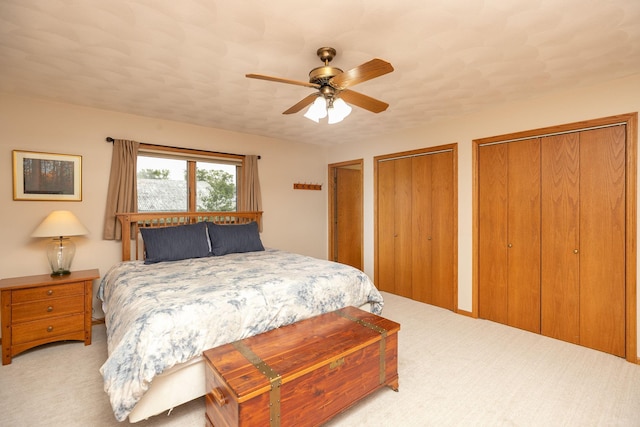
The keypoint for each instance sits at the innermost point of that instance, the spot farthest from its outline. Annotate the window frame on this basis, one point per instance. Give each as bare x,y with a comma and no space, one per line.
192,156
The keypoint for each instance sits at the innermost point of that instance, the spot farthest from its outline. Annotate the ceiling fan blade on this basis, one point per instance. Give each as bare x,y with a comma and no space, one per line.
281,80
300,105
363,101
367,71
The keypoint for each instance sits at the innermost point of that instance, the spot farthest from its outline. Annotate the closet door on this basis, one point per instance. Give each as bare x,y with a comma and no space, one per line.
560,284
421,229
569,276
523,239
492,232
583,269
394,226
432,229
509,233
442,234
385,280
416,225
602,239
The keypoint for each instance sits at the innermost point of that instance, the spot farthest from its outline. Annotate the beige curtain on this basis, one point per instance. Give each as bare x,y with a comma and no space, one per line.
251,199
122,194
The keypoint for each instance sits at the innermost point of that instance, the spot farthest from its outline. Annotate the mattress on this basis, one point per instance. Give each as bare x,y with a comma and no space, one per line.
163,315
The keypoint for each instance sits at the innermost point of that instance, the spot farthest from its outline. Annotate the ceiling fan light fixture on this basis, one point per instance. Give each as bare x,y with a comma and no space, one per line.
317,110
338,110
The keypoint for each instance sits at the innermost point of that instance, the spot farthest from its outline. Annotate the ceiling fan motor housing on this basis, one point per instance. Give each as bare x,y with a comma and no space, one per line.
322,75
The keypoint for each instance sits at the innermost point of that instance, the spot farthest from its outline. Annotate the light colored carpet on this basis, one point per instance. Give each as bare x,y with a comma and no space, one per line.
454,371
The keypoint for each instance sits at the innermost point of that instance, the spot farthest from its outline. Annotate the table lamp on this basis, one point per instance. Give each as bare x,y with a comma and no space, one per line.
60,251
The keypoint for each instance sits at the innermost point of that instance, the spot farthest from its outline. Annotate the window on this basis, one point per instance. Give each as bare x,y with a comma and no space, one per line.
180,181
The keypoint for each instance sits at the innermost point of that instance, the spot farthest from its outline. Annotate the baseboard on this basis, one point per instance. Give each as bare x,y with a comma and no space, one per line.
97,321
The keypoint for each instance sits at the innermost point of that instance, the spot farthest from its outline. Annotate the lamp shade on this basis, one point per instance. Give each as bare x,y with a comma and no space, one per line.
60,250
60,223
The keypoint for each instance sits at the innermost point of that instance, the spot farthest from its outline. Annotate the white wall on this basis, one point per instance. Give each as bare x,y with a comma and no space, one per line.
617,97
294,220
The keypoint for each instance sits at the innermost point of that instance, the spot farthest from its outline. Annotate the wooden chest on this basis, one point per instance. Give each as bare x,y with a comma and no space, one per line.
301,374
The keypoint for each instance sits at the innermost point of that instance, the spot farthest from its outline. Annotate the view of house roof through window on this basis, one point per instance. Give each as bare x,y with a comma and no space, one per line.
163,185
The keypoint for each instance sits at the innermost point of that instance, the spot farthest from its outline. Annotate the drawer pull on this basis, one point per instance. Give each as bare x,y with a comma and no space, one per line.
218,396
50,329
49,309
50,292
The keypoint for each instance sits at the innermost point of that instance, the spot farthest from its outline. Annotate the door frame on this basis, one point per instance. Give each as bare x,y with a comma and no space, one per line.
630,120
351,164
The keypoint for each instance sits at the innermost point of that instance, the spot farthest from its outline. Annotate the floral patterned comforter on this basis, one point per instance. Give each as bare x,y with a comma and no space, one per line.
164,314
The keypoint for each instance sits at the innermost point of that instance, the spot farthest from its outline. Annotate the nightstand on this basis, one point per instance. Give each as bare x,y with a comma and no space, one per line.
41,309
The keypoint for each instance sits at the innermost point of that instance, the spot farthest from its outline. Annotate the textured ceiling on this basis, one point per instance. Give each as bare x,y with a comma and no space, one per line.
186,60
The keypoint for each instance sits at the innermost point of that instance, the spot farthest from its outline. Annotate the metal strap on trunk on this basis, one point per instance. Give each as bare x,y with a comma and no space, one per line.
274,379
383,341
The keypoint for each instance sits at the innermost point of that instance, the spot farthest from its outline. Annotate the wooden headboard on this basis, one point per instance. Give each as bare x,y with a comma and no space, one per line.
132,222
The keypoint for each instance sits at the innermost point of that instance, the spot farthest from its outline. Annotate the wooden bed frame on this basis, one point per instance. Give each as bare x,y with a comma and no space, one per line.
132,222
185,382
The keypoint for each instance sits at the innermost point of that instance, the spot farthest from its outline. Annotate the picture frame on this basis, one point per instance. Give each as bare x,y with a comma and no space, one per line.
46,176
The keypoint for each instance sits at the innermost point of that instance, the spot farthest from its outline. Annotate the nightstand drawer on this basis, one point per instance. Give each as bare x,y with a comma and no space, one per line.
47,308
47,292
39,329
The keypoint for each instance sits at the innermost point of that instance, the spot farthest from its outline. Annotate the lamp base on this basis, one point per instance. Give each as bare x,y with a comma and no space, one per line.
60,252
60,273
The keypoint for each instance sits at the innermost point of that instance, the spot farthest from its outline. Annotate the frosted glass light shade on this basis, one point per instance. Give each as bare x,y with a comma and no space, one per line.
338,111
317,110
60,250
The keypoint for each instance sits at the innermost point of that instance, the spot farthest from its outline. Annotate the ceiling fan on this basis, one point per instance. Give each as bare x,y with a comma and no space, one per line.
333,88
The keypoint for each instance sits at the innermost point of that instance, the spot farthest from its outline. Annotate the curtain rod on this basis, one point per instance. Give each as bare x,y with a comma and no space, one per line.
110,139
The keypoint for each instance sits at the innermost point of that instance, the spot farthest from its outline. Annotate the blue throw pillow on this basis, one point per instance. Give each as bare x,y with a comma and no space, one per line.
229,239
175,243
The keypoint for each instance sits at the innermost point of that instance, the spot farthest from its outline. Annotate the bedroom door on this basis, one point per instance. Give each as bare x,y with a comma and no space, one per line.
345,213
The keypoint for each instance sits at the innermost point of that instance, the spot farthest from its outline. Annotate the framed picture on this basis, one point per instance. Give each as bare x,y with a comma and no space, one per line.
46,176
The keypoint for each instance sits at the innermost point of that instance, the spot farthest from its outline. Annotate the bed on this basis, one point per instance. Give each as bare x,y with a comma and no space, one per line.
175,295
